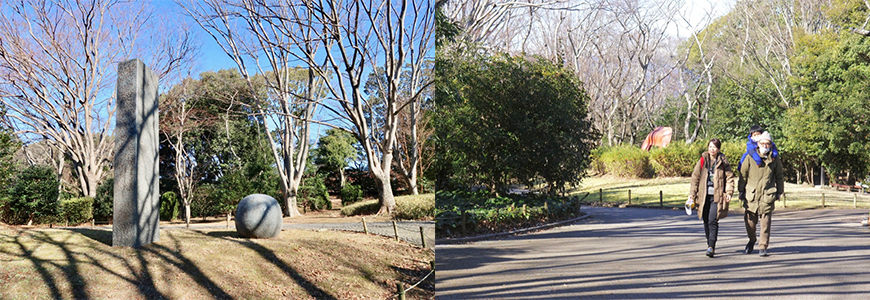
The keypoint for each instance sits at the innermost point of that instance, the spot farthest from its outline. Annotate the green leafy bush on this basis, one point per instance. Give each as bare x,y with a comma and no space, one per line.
733,151
625,161
679,159
485,213
350,194
33,196
313,193
169,206
104,200
77,210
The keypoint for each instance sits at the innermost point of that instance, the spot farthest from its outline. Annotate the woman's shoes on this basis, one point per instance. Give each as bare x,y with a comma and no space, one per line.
749,247
710,252
762,252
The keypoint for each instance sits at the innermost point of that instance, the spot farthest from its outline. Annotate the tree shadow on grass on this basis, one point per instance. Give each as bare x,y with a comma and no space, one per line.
96,251
270,256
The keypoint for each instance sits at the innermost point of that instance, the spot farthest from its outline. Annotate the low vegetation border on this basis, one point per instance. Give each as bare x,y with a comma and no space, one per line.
483,216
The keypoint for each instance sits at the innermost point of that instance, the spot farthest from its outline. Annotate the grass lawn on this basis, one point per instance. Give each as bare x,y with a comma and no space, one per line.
206,264
675,190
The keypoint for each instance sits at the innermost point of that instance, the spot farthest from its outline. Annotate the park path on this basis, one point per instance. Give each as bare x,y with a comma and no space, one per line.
635,253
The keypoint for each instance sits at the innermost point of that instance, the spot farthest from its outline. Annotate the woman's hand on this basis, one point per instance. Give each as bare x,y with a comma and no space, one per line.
727,198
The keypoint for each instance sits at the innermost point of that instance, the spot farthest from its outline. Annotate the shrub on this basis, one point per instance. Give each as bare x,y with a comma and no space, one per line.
104,200
410,207
626,161
313,194
350,194
678,159
361,208
733,150
415,207
77,210
33,196
169,206
365,180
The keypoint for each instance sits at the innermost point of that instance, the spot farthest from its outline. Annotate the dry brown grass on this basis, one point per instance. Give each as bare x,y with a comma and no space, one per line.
208,264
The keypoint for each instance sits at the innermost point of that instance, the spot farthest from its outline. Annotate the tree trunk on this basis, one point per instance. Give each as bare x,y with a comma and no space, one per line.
187,214
290,208
387,202
343,178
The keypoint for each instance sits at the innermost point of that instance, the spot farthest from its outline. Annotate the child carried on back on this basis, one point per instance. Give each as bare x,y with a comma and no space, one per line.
752,146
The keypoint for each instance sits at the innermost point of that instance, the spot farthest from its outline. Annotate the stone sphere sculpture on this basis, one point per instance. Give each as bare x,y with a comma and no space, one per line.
258,216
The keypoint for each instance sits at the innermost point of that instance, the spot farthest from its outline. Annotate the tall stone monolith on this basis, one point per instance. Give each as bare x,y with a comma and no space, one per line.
137,196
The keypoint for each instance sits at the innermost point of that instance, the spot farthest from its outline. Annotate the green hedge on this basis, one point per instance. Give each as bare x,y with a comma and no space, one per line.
624,161
485,213
77,210
678,159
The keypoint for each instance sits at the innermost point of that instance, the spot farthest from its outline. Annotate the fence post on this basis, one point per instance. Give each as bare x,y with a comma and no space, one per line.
783,201
396,230
629,196
600,196
661,199
365,227
823,200
93,223
422,237
228,220
855,200
401,288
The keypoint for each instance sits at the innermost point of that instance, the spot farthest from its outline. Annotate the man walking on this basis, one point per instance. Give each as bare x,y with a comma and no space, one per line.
760,185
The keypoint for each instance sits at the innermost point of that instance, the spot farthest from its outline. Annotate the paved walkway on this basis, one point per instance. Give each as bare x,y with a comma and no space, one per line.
634,253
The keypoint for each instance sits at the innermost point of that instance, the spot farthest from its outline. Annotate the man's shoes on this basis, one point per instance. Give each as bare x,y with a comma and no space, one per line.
749,247
762,253
710,252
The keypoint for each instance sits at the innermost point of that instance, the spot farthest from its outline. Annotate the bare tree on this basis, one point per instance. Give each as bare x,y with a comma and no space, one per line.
178,118
763,34
361,36
273,36
697,75
57,70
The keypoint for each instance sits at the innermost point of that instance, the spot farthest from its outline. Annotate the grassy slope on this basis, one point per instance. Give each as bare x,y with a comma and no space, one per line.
675,190
206,264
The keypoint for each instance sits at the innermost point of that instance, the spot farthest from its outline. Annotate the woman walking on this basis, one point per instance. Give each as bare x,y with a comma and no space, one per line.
711,188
